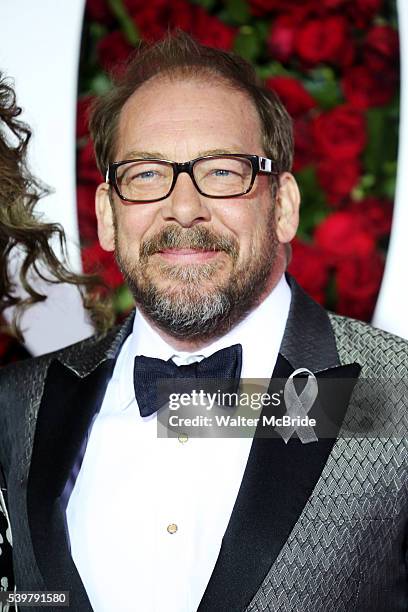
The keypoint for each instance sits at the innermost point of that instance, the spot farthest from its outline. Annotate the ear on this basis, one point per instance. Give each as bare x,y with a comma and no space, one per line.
287,208
104,215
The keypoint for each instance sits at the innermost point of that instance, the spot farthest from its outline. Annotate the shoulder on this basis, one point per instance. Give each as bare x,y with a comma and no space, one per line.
378,352
14,373
21,383
378,407
82,355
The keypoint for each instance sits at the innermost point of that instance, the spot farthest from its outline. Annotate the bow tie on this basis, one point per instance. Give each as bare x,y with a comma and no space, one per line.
148,372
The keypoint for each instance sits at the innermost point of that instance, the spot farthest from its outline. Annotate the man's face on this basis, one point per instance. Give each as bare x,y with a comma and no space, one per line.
195,265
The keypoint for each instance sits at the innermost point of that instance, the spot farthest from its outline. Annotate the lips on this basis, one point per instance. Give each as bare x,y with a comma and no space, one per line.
184,251
185,255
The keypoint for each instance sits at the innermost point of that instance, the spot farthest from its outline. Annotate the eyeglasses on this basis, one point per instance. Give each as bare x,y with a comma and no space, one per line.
214,176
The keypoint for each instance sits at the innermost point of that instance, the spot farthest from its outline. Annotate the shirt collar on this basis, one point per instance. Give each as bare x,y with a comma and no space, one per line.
260,334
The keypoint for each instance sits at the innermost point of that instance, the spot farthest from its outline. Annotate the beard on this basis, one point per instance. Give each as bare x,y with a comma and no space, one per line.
193,304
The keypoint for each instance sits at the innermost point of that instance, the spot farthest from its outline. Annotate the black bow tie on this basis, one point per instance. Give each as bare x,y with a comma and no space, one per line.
224,365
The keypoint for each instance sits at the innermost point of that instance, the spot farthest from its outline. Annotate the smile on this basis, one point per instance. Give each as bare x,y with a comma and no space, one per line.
187,255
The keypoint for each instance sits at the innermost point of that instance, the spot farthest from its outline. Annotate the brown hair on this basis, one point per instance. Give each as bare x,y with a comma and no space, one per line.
180,55
21,229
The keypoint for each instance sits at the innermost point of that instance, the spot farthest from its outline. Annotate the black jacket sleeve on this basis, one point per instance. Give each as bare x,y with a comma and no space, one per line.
6,560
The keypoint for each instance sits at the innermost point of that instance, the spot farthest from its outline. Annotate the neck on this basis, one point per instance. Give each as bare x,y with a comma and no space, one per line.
193,344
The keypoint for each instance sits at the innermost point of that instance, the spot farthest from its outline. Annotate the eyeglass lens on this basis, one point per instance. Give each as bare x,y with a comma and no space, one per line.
220,176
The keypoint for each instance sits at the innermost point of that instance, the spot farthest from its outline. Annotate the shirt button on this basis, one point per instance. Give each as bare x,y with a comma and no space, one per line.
183,437
172,528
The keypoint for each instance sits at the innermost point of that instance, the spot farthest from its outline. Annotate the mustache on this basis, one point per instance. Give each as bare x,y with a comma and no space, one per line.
197,237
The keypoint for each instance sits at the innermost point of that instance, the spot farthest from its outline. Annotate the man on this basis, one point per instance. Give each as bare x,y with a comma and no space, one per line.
199,206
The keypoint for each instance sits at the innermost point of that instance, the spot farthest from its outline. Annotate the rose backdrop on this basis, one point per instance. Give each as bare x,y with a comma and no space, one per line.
334,64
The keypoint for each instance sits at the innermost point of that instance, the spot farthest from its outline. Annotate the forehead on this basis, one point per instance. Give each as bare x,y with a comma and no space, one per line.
188,116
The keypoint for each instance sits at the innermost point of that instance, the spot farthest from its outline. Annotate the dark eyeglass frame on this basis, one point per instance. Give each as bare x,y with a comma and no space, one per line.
260,165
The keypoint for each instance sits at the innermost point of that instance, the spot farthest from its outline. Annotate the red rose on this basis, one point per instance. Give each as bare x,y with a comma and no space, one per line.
86,212
134,6
156,17
304,143
97,261
113,51
375,216
358,281
324,40
381,49
83,106
309,268
148,17
87,168
333,4
98,10
263,7
300,8
338,178
364,89
340,133
177,14
292,93
281,38
209,30
361,12
342,235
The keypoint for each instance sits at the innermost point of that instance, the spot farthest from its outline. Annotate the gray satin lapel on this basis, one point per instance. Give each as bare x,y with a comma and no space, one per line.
82,360
308,340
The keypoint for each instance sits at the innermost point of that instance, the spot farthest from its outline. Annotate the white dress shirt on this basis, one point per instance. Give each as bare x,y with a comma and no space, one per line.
147,515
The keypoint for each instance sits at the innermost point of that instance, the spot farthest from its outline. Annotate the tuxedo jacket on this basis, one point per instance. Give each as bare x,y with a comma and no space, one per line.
319,527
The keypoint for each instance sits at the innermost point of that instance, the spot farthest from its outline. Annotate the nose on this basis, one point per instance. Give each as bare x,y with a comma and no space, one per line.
185,205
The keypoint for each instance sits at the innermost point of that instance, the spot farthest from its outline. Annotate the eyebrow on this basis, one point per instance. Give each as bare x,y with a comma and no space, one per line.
158,155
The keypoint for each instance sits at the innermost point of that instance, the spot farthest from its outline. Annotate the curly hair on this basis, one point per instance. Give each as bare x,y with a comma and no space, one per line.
21,229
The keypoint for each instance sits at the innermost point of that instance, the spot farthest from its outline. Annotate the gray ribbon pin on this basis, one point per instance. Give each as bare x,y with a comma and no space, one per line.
297,406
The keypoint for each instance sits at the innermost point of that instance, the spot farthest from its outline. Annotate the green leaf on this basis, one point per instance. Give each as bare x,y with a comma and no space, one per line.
123,299
262,29
390,167
331,293
314,207
327,95
381,151
374,150
388,188
99,84
127,24
324,87
247,43
206,4
272,69
237,11
97,31
364,187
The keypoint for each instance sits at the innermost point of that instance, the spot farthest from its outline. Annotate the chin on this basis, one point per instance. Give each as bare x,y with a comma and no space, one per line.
185,289
187,275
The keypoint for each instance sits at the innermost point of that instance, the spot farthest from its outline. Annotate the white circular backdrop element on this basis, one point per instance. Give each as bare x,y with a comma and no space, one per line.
40,45
391,312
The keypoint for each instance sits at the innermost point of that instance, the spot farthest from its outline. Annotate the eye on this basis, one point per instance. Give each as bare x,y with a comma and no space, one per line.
224,173
138,175
146,174
221,172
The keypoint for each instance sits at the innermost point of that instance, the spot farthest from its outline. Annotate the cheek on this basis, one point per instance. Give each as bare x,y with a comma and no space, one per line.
244,223
133,225
238,218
